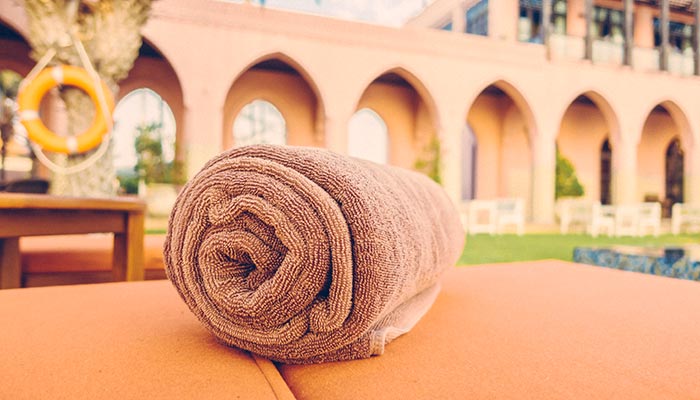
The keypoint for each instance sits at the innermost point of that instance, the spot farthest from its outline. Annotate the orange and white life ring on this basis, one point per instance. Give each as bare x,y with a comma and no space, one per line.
29,100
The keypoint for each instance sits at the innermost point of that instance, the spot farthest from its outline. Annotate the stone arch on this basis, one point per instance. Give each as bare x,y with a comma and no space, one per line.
368,136
409,112
665,122
152,70
14,49
282,81
587,122
504,127
518,99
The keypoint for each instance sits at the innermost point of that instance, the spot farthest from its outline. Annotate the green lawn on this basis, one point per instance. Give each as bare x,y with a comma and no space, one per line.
483,249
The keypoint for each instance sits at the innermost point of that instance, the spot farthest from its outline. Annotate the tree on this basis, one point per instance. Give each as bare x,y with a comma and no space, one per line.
150,165
567,184
110,32
430,161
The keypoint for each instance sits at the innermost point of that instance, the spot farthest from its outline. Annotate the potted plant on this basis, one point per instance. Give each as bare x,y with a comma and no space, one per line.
158,180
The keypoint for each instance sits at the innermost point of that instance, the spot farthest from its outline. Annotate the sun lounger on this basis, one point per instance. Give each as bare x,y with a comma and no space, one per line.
536,330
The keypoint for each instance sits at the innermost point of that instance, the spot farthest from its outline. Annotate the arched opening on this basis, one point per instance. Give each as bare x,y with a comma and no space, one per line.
152,71
660,156
368,137
674,174
469,163
141,113
14,50
587,128
605,172
408,111
259,122
501,122
280,81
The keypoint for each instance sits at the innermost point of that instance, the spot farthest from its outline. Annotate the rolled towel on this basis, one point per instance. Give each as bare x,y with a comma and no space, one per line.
302,255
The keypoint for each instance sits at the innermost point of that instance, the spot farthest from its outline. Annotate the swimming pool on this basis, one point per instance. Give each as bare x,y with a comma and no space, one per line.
681,262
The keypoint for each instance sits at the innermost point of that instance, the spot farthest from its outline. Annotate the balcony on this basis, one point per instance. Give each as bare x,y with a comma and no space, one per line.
609,52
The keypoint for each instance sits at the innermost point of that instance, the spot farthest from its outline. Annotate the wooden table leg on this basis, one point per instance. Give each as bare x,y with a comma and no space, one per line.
128,254
10,264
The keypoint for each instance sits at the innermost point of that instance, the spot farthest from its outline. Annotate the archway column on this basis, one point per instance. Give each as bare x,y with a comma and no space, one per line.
451,153
336,126
203,120
692,175
624,171
543,175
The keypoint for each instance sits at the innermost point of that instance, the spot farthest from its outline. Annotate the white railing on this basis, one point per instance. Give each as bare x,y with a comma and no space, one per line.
608,52
566,47
645,59
611,52
681,63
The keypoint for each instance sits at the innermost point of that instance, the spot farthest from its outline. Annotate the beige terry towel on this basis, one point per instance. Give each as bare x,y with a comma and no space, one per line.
302,255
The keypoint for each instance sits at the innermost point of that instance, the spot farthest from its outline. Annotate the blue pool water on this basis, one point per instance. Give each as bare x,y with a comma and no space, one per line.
676,262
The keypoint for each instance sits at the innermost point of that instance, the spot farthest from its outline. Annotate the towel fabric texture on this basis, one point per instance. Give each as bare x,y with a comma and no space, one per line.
302,255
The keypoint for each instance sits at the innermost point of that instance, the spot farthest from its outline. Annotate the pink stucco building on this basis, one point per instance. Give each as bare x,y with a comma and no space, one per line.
498,88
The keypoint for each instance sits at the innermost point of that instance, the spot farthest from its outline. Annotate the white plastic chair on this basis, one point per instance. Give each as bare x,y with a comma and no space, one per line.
574,212
602,219
626,220
510,212
649,218
685,215
482,217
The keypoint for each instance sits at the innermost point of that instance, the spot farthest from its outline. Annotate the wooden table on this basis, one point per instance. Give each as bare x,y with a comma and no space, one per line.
36,215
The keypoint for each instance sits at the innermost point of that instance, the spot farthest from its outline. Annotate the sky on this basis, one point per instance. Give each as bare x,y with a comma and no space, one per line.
383,12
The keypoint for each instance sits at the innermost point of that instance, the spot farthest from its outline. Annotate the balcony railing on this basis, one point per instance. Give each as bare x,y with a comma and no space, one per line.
607,52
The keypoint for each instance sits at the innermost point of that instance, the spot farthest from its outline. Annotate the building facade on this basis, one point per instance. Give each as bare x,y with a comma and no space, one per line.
501,91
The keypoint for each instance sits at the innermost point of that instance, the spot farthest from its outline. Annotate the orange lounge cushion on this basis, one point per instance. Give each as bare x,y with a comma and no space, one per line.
79,253
116,340
538,330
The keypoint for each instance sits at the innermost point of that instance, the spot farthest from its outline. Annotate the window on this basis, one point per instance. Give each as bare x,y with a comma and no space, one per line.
368,137
530,21
140,108
680,35
469,155
559,17
140,111
674,172
608,24
259,122
605,174
478,18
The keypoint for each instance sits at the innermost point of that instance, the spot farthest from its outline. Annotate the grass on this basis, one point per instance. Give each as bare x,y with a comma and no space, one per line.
485,249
